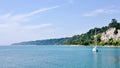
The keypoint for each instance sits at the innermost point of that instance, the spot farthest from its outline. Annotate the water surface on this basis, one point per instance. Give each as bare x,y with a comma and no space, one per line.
58,57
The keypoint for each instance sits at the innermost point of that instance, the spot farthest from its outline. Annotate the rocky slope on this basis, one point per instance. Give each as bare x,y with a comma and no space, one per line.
109,34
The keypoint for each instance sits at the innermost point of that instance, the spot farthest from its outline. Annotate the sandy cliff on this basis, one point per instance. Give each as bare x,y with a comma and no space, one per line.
109,34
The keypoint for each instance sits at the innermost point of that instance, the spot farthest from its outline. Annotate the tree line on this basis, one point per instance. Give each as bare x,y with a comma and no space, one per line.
83,39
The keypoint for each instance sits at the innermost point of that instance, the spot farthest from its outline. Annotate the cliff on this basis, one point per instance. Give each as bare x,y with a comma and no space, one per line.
109,34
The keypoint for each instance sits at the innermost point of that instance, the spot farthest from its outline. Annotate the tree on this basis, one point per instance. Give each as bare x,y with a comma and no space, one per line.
113,23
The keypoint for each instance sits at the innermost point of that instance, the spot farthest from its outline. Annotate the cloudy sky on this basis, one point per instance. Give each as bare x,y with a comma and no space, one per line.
24,20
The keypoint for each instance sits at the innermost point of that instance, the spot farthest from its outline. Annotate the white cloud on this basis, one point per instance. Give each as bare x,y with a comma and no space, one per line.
100,11
32,27
5,16
9,19
13,29
40,10
7,25
22,16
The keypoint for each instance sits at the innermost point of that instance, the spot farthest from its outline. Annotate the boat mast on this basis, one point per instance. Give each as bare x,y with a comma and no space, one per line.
95,38
95,47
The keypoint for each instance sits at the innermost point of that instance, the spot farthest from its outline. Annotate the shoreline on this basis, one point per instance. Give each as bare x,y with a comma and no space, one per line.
92,45
70,45
110,46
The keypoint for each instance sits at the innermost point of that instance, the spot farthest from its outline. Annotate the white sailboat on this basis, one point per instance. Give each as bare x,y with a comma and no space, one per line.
95,48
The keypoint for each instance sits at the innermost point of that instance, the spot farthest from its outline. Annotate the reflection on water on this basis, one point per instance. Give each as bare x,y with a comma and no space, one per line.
95,56
107,57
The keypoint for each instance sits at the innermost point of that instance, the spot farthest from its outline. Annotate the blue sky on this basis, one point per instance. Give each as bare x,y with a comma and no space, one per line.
24,20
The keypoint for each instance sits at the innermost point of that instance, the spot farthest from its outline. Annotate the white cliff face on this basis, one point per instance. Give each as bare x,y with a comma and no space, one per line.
109,34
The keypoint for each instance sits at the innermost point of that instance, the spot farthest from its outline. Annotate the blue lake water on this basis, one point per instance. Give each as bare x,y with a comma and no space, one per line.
58,57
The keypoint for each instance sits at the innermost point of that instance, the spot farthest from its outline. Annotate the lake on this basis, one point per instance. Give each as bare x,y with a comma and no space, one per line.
58,57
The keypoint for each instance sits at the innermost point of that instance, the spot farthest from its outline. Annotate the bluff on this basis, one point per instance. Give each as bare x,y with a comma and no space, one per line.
110,34
106,35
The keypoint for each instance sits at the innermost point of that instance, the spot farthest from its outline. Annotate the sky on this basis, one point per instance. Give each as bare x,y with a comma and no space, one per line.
26,20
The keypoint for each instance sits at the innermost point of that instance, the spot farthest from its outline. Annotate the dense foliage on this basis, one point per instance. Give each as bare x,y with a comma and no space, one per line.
87,38
83,39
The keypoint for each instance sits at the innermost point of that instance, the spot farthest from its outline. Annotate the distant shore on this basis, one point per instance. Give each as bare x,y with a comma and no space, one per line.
74,45
93,46
110,46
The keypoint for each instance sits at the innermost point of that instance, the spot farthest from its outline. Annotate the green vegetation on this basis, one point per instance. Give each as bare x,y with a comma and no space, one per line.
87,38
83,39
114,24
43,42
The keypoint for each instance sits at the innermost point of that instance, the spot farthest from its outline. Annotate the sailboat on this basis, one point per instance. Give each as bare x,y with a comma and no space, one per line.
95,47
